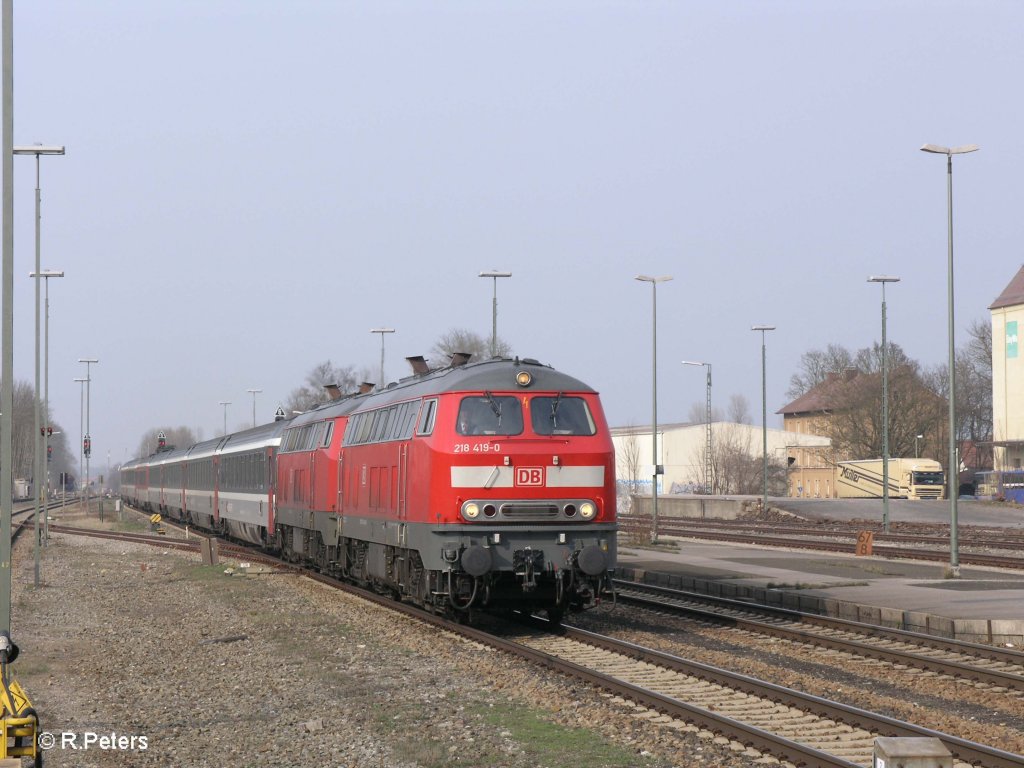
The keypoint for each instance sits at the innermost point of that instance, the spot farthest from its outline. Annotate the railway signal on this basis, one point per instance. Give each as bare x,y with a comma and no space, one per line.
87,445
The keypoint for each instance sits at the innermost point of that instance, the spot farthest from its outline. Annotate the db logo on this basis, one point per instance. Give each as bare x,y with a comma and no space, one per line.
529,476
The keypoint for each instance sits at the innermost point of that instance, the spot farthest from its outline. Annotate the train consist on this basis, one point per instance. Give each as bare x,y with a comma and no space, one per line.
486,484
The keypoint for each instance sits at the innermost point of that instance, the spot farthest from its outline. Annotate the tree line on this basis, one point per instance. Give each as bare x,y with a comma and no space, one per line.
23,439
917,407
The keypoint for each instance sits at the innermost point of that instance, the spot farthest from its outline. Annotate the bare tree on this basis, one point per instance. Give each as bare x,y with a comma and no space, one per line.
739,410
699,413
175,437
463,340
22,435
815,367
312,393
627,460
736,464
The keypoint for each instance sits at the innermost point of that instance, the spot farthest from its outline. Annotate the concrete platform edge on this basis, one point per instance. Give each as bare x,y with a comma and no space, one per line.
986,631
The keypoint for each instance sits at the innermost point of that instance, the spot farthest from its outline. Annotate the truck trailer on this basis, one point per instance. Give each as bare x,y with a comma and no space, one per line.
908,479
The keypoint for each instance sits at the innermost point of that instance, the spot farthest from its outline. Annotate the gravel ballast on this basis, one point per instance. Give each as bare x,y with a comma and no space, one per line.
125,640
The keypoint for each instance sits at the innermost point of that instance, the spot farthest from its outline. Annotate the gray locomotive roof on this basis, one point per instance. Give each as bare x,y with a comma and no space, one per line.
495,374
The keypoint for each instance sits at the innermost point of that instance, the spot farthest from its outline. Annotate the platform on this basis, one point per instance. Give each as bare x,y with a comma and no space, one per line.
984,605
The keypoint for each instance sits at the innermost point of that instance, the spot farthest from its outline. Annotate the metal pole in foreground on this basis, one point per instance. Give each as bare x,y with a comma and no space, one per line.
883,279
495,274
87,440
382,331
253,392
7,344
39,433
654,398
764,410
47,274
225,403
954,462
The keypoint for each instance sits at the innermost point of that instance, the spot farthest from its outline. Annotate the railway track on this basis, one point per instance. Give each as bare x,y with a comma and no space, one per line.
790,725
1001,669
936,535
832,545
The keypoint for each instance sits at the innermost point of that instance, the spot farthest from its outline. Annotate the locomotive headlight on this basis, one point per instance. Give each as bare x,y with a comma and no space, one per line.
471,510
587,510
524,378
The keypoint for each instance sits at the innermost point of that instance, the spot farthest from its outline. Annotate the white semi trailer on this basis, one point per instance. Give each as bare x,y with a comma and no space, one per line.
908,479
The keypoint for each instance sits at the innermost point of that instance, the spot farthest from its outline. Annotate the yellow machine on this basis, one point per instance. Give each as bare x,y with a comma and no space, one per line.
19,720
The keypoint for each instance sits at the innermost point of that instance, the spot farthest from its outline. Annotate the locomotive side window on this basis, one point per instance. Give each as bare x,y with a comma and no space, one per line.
561,416
489,414
427,416
328,434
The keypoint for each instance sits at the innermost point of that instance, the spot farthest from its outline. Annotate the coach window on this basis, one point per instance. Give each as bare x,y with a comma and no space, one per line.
561,416
489,414
427,415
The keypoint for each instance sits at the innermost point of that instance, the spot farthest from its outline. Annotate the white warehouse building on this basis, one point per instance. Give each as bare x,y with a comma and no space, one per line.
681,452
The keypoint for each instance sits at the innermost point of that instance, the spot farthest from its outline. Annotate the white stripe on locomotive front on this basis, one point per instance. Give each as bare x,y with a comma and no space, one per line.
554,477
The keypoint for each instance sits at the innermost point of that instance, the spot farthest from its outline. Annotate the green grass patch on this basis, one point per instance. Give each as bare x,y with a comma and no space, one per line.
523,734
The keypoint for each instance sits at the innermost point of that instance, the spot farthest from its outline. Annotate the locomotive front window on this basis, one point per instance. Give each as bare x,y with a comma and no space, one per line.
561,416
489,414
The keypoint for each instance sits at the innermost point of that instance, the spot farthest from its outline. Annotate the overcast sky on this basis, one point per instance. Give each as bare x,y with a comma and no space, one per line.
250,187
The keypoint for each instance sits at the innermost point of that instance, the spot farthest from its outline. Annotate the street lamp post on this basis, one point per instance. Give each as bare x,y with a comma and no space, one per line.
764,409
225,403
87,440
917,453
254,392
382,331
46,275
954,462
707,437
495,274
40,459
883,279
657,468
81,428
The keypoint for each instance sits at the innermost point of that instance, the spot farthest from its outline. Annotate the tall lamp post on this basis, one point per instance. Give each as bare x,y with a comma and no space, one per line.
383,331
254,392
954,462
764,409
707,437
883,279
657,468
917,453
87,440
225,403
39,433
47,431
81,429
495,274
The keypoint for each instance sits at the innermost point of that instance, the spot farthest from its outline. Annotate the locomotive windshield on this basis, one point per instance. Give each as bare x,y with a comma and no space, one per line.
561,416
489,414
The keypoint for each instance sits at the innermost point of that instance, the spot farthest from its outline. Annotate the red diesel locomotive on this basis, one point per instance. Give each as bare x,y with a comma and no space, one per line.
476,485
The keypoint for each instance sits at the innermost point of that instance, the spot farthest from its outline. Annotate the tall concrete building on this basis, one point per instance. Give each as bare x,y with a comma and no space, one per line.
1008,375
